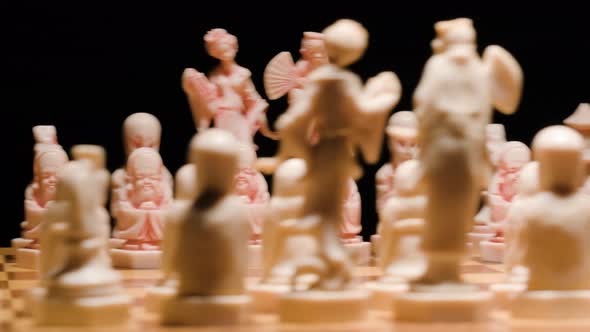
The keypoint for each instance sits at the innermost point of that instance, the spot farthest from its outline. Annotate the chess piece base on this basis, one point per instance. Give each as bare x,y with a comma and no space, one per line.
375,238
20,242
324,306
266,297
136,259
359,252
551,305
475,239
255,256
443,303
28,258
505,293
205,310
84,311
383,293
155,296
492,252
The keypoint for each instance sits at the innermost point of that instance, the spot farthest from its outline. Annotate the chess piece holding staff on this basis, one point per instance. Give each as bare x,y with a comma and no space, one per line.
346,115
555,237
210,288
453,102
402,225
78,285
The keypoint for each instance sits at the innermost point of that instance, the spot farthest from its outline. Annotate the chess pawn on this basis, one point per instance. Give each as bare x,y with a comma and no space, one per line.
402,136
336,100
78,286
402,222
495,140
140,217
502,190
39,194
453,102
556,232
210,288
139,130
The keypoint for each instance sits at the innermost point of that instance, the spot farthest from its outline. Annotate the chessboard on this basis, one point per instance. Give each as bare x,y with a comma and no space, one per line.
15,282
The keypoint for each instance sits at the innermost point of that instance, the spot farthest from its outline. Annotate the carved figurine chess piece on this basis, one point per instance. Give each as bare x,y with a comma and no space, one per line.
402,135
48,160
555,237
210,288
495,140
580,121
228,96
345,115
282,76
501,192
139,130
453,102
78,284
140,218
402,225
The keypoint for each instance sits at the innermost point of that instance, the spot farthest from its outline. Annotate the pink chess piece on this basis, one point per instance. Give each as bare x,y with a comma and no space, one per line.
252,189
351,226
503,188
228,96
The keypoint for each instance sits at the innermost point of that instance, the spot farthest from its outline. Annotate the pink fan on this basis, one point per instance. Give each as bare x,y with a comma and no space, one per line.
280,76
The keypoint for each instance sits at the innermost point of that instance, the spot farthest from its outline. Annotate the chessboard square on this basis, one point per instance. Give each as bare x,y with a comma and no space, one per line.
11,267
22,284
3,275
23,275
483,278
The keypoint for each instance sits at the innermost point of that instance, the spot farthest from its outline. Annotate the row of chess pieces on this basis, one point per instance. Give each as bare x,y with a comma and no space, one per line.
221,205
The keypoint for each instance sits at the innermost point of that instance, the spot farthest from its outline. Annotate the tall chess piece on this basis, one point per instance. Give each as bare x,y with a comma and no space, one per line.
345,116
214,227
78,284
453,102
555,237
49,158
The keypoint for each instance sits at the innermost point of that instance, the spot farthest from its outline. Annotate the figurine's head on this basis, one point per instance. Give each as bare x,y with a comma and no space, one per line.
221,44
94,153
141,130
402,132
495,139
145,171
288,178
528,180
247,174
346,42
45,134
454,33
45,167
313,48
514,155
559,151
408,178
217,154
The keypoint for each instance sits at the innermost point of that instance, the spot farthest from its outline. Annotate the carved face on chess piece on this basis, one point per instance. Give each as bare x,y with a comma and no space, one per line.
141,130
512,158
402,133
45,166
221,45
145,177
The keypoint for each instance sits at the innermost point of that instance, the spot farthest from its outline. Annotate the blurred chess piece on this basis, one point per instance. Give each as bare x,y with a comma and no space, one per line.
210,288
453,102
580,121
344,116
78,284
49,158
555,237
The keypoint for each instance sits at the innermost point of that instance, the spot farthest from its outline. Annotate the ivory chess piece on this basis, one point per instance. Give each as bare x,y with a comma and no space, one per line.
139,218
210,288
48,160
78,284
453,103
556,232
402,135
139,130
495,140
228,95
501,192
350,226
402,225
580,121
346,116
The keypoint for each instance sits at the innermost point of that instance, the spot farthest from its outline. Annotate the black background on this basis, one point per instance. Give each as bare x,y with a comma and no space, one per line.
84,69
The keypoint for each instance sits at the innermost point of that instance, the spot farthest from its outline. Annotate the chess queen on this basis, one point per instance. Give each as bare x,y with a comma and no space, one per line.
140,217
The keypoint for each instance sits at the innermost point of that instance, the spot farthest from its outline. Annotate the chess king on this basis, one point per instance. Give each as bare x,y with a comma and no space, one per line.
453,103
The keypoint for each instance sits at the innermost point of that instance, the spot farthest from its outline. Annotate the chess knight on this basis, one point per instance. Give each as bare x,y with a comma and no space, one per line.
345,115
453,102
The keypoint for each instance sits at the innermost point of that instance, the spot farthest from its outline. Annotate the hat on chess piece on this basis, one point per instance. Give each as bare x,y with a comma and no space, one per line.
346,41
402,124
